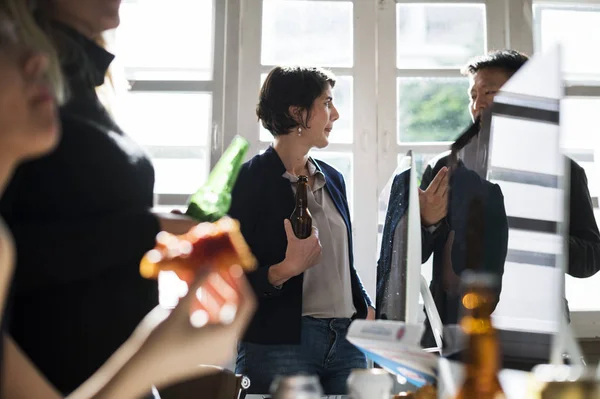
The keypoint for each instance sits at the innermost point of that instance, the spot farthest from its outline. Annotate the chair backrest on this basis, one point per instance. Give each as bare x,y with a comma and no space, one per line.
215,383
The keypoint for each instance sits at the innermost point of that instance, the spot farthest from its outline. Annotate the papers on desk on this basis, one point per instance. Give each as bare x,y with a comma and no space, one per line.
395,346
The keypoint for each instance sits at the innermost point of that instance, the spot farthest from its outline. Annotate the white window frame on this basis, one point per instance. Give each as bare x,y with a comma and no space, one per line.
214,86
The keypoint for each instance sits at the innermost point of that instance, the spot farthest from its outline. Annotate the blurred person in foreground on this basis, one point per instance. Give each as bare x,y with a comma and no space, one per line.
82,214
165,347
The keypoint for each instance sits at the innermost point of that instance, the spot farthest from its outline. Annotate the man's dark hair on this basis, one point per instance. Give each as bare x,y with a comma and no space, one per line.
285,87
508,60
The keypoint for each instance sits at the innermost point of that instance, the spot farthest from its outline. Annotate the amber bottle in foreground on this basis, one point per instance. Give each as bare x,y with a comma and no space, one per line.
482,358
300,218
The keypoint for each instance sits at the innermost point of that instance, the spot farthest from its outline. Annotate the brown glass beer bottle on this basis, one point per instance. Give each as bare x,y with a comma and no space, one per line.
483,359
301,219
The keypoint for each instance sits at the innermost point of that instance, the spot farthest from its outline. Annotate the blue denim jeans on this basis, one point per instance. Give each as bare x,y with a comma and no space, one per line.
323,351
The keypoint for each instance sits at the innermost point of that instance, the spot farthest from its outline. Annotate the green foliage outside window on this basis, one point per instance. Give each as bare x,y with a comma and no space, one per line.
432,110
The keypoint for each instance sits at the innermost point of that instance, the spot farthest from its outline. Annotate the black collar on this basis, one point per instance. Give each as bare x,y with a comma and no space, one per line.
80,55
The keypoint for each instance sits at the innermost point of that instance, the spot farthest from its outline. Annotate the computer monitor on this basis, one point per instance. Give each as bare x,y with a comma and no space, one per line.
399,264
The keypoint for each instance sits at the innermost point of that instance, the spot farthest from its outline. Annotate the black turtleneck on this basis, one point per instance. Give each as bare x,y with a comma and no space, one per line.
82,220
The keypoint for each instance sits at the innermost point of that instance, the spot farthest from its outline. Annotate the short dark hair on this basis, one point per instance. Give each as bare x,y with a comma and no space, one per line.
508,60
285,87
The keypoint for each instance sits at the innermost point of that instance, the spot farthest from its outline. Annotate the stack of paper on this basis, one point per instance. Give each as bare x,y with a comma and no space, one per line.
395,346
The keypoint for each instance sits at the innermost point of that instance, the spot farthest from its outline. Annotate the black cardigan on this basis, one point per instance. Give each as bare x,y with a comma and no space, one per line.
262,199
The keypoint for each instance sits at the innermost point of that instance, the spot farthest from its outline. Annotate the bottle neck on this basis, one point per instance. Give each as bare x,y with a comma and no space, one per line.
301,195
224,174
483,356
483,360
481,334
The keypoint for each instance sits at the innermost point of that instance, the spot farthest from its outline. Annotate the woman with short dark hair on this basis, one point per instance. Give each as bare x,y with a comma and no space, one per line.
308,289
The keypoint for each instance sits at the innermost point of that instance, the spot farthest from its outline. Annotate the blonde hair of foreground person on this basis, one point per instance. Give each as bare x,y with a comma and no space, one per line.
32,36
165,347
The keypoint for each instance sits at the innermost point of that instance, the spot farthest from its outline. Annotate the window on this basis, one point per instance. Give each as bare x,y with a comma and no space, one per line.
417,47
399,85
169,107
577,28
164,54
432,109
314,33
438,35
432,42
307,33
427,108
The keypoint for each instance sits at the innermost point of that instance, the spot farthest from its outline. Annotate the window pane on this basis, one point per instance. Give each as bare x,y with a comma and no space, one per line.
582,144
317,33
578,117
583,293
432,109
580,140
174,128
343,100
343,163
439,35
578,30
166,40
166,118
179,176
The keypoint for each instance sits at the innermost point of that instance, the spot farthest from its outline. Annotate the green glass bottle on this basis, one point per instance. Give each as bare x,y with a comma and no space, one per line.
212,201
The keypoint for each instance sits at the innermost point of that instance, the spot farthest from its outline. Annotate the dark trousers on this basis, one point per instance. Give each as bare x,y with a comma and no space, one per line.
324,351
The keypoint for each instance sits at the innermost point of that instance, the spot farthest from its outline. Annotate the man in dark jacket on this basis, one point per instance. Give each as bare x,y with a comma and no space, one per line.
486,75
451,238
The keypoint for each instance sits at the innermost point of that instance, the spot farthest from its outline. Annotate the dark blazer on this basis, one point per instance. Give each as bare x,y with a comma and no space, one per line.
262,198
465,185
584,237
